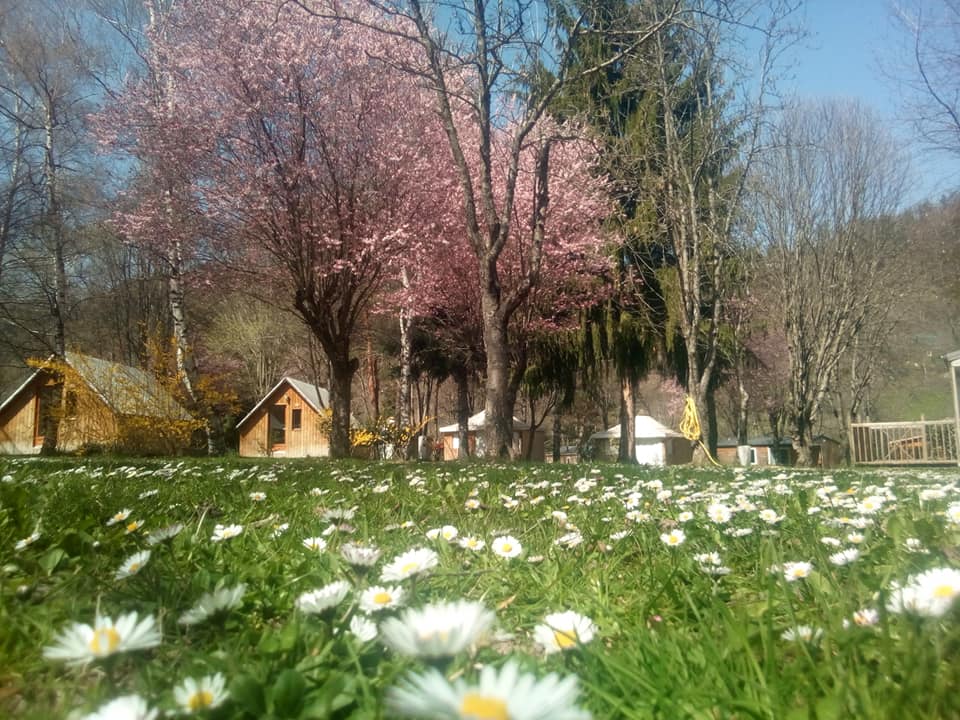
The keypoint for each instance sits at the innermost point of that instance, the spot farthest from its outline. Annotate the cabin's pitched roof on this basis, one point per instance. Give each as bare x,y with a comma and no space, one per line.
316,397
125,390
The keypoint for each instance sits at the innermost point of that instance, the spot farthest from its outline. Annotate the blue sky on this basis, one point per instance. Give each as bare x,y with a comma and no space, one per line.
849,42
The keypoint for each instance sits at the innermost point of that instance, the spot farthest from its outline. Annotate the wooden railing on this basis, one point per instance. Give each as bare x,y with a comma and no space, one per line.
904,443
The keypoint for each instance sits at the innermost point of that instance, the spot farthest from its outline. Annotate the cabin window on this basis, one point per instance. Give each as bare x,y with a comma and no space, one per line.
296,418
278,425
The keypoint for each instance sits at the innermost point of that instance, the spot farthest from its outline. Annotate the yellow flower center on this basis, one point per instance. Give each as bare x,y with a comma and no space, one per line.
134,567
564,638
104,641
478,707
382,598
410,567
199,700
506,547
132,526
944,591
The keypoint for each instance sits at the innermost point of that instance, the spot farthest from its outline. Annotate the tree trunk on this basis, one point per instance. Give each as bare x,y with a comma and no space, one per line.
627,452
406,367
556,434
54,228
342,370
498,410
463,413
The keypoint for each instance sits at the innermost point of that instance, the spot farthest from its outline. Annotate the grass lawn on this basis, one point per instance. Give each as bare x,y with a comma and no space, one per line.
695,593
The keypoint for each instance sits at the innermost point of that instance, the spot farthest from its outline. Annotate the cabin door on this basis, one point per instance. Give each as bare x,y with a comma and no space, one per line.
278,428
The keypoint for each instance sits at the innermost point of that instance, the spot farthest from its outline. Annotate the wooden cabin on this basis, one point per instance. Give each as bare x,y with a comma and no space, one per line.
286,422
765,451
106,405
526,444
654,443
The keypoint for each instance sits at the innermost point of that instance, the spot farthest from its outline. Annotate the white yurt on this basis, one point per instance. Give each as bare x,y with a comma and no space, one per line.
656,444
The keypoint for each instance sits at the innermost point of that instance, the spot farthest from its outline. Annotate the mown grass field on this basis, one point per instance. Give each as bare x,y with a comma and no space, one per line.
707,593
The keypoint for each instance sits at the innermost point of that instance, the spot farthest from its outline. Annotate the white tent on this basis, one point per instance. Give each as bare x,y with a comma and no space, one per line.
656,444
449,434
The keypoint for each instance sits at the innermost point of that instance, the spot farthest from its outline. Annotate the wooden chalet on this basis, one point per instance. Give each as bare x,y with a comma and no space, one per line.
766,451
106,405
286,422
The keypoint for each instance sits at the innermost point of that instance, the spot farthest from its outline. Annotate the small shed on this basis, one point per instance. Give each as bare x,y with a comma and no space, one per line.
524,441
765,451
105,404
286,422
656,444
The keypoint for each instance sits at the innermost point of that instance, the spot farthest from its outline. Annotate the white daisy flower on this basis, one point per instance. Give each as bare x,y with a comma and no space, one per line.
915,545
472,504
209,604
504,694
203,694
132,527
379,597
280,529
506,546
770,516
166,533
802,633
793,571
126,707
360,555
569,540
81,643
866,617
413,562
437,630
132,565
119,516
471,542
317,544
673,538
258,496
685,516
322,599
936,590
845,557
27,541
364,628
563,631
225,532
719,513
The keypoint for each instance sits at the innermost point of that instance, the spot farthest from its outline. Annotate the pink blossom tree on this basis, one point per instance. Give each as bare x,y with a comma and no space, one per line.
307,157
485,65
570,267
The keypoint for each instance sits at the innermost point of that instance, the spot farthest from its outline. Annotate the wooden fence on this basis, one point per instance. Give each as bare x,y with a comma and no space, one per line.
904,443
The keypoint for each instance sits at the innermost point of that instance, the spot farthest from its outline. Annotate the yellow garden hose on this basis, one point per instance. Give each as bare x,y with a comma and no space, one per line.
690,427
